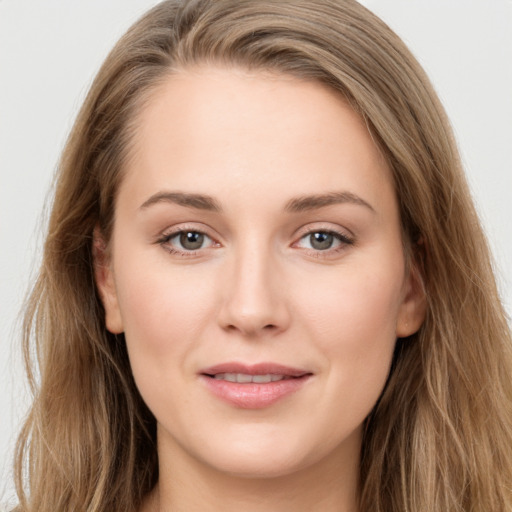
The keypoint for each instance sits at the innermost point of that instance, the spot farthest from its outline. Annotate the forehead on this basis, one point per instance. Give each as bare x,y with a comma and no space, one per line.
208,127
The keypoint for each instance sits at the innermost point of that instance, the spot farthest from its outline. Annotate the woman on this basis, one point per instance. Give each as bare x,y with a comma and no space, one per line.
264,283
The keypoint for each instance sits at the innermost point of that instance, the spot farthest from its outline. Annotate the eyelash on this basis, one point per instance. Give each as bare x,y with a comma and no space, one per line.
165,240
342,238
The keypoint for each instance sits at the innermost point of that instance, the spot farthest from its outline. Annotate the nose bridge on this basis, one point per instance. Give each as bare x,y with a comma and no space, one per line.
254,300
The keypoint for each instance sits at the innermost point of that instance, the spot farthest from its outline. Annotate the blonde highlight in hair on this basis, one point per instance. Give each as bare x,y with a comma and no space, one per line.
440,437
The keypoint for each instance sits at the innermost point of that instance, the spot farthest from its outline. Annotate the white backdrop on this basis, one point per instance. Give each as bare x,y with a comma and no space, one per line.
49,52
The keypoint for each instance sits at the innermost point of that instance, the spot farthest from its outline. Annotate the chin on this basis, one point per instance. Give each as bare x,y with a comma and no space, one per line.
259,468
264,458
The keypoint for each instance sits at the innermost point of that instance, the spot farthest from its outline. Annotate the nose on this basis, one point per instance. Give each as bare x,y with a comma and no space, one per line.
254,301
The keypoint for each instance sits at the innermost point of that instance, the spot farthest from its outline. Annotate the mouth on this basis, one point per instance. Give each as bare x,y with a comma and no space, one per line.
253,386
259,373
245,378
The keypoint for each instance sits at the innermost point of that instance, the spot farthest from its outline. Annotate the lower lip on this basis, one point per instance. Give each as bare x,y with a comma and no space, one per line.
254,395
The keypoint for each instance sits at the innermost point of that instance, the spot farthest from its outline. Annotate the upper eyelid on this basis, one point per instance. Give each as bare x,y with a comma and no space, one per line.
186,227
341,237
167,237
300,233
324,227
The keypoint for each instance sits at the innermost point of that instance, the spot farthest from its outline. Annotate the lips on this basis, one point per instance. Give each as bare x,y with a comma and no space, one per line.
253,386
245,377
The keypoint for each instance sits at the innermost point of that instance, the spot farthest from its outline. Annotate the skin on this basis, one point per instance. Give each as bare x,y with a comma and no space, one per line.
259,288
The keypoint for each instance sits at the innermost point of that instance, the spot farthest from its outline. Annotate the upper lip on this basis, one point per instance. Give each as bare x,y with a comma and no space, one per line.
255,369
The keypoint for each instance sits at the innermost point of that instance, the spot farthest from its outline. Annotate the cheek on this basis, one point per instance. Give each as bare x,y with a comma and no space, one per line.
355,304
354,325
163,309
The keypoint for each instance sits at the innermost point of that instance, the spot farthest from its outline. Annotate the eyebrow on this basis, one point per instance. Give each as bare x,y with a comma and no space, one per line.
197,201
313,202
295,205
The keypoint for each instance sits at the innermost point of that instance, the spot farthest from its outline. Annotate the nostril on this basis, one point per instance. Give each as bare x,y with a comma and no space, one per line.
252,330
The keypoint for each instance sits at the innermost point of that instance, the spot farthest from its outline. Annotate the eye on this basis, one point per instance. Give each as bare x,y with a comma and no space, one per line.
186,241
324,240
321,241
189,240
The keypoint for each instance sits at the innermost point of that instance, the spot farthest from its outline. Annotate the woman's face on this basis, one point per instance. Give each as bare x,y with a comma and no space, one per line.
257,271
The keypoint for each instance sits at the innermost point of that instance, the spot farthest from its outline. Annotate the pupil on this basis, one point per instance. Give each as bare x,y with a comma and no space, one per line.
321,241
191,240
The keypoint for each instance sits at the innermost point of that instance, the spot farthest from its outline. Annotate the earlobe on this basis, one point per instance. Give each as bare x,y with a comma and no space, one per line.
414,305
104,278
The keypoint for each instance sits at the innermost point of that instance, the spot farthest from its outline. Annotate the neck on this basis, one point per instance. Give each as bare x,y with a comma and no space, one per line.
188,485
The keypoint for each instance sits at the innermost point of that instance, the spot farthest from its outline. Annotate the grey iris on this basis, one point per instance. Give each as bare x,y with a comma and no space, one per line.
321,241
191,240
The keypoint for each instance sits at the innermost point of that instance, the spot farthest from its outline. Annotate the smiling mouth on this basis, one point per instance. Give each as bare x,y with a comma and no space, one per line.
253,386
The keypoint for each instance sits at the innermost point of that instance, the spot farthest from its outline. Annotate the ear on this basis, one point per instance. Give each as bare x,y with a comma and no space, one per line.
104,278
414,304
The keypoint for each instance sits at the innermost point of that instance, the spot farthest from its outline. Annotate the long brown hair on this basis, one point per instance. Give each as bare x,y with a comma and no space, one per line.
440,437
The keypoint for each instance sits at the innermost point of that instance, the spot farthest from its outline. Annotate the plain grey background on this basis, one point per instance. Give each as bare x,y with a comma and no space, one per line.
50,51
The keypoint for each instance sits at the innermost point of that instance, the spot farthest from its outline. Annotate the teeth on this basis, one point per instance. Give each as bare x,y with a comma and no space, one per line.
245,378
262,378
